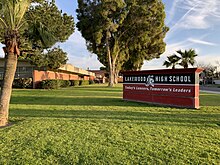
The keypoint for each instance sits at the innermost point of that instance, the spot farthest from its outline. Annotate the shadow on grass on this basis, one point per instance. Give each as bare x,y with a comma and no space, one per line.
76,101
100,89
94,101
186,119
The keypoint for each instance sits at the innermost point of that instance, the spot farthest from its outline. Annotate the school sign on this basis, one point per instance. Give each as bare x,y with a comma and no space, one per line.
173,87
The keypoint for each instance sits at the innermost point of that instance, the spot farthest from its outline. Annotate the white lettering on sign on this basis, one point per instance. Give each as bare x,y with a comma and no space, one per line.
161,78
129,87
136,78
182,90
142,88
159,89
150,80
185,79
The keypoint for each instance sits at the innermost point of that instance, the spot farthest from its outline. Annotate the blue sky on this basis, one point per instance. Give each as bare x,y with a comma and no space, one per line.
193,24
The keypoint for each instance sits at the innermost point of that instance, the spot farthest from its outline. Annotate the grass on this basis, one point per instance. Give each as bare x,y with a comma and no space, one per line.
93,125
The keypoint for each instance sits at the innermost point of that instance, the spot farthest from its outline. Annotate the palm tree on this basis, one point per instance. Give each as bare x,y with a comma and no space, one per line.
172,61
11,21
187,57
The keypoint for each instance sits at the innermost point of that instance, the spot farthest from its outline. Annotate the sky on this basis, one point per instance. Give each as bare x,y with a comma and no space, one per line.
193,24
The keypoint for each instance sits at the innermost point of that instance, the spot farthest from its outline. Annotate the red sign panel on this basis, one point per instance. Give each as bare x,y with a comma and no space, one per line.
173,87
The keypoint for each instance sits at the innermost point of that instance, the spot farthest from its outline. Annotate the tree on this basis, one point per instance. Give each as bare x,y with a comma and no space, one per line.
12,13
53,59
22,30
217,69
187,57
172,61
209,71
114,29
52,21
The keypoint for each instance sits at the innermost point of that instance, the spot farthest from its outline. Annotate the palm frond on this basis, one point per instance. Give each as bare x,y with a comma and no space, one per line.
20,10
167,64
187,57
12,12
3,23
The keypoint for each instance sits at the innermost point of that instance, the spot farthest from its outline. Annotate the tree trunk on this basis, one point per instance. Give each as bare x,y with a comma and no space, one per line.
110,64
9,73
116,77
111,71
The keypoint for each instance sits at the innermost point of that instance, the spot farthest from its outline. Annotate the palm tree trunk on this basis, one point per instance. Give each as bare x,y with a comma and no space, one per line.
10,69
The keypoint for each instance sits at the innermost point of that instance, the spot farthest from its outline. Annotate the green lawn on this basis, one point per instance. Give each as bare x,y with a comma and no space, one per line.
93,125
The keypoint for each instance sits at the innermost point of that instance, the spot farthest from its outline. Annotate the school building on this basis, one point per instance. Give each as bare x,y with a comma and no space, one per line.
66,72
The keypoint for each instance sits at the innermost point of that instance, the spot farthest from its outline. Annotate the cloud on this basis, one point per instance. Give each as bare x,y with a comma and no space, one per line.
172,11
77,52
208,59
198,14
183,45
170,49
2,54
197,41
86,62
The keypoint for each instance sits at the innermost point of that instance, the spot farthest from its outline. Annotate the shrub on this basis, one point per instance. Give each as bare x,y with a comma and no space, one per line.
55,84
74,82
64,83
84,82
91,82
23,83
50,84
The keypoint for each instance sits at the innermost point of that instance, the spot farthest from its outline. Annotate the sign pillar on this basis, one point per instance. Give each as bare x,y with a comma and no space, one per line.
171,87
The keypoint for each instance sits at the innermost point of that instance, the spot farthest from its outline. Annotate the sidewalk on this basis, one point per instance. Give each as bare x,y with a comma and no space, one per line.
209,89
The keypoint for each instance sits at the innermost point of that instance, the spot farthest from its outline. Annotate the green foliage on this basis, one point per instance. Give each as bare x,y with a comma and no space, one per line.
38,58
12,13
172,60
56,58
53,59
23,83
91,82
28,28
92,125
74,82
187,57
122,32
64,83
55,84
50,84
50,27
209,70
183,58
36,30
103,68
84,82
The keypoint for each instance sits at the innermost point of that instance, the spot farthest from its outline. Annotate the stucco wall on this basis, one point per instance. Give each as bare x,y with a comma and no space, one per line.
39,76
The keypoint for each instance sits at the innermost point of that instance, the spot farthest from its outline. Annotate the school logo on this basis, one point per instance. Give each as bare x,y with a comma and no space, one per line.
150,81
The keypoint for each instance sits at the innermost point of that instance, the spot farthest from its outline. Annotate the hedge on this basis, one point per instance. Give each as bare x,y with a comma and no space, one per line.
22,83
74,82
55,84
84,82
91,82
64,83
50,84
